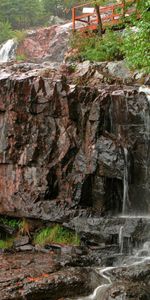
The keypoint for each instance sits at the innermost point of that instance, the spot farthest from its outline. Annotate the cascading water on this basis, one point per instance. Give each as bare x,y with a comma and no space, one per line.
102,292
130,256
7,51
125,182
121,239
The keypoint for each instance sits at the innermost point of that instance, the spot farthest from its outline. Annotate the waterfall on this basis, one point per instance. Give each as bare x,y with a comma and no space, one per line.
125,182
121,239
146,90
102,292
144,251
7,51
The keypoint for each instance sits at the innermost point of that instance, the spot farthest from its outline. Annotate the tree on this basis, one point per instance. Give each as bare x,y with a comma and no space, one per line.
52,6
20,13
6,31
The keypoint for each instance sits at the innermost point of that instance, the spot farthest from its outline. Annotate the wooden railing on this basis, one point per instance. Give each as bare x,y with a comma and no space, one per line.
110,15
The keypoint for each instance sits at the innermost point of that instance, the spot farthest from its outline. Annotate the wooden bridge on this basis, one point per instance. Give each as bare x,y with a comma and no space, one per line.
111,15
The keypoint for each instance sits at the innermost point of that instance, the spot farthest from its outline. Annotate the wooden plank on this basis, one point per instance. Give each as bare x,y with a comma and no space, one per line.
83,16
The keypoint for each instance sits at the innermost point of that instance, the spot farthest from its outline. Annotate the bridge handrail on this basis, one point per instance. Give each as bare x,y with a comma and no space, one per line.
107,8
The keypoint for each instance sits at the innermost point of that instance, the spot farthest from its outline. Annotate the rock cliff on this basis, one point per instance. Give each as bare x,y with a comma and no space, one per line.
66,144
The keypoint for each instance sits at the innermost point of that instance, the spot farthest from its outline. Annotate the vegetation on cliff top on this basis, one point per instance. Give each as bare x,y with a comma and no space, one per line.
132,45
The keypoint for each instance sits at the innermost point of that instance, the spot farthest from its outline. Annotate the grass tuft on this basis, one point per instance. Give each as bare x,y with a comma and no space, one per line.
6,244
56,234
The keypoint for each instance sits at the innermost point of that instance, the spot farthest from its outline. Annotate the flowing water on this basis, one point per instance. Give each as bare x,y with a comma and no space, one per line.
121,239
140,256
125,182
7,51
134,257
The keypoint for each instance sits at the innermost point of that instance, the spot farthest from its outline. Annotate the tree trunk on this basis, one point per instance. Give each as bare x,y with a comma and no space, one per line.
100,28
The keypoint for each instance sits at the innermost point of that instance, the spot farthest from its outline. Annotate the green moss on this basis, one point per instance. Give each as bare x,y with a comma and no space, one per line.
6,244
56,234
21,57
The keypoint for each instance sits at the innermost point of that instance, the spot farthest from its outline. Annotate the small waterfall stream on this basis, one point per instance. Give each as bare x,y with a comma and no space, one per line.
135,256
125,183
102,292
7,50
121,239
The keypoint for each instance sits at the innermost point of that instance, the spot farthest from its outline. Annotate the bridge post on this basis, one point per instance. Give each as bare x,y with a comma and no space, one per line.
124,8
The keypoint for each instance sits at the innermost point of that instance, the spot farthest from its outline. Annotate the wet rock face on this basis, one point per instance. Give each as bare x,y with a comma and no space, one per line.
46,44
40,276
62,147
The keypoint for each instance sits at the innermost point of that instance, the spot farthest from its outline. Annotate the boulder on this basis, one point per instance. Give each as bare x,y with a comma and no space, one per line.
120,70
21,241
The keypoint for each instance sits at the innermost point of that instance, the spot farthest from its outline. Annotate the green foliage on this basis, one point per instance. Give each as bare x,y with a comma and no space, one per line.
11,222
20,13
56,234
6,31
136,45
54,7
20,35
6,244
94,48
21,58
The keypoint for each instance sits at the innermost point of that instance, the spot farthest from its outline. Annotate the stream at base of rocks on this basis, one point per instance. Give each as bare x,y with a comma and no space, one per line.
108,276
102,291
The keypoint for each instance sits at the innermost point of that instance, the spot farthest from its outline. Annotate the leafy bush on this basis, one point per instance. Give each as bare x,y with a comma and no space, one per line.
56,234
136,46
11,222
6,32
94,48
21,58
20,35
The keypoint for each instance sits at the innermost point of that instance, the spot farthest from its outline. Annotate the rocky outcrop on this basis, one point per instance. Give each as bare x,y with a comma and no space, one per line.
37,276
65,146
59,276
46,44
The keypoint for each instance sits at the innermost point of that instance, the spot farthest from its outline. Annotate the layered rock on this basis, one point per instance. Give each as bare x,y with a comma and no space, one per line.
46,44
40,276
62,146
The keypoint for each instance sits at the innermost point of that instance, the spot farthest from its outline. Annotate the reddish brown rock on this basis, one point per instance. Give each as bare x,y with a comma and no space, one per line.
62,145
49,43
39,276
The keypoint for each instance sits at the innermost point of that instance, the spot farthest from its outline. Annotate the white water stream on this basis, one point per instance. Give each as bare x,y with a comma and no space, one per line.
7,50
121,239
125,182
